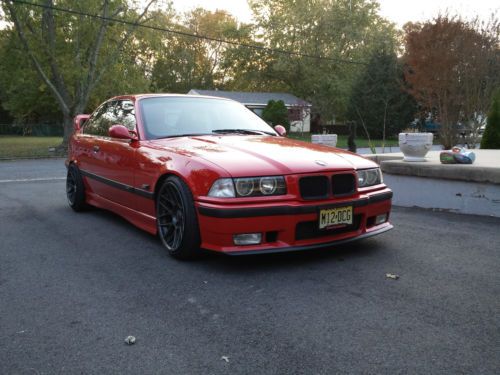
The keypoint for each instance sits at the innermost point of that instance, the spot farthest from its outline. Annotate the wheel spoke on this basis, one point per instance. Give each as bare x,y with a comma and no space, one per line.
166,208
170,216
178,203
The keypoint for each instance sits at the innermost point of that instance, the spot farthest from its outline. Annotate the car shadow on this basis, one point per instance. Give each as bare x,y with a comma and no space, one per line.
298,259
218,262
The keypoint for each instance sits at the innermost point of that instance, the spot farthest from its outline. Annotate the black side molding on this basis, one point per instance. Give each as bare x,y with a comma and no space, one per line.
119,185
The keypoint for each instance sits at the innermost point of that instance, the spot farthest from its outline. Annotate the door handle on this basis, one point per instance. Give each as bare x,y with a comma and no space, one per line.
96,148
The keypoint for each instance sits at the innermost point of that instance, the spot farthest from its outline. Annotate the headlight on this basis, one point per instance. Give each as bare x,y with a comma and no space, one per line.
369,177
248,187
244,186
268,185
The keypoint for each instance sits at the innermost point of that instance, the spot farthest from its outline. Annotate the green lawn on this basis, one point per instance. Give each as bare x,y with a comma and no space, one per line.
342,140
21,147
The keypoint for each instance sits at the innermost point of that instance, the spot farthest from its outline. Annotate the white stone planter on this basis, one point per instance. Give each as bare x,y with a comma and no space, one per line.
414,146
325,139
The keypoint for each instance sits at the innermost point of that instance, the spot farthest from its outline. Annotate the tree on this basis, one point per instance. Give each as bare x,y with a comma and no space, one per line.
276,113
22,93
479,73
379,101
491,136
70,53
183,62
452,67
343,32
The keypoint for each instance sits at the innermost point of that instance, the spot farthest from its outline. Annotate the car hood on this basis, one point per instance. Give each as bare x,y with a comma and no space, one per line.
263,155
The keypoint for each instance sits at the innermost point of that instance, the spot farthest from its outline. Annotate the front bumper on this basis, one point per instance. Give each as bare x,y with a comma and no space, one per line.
291,226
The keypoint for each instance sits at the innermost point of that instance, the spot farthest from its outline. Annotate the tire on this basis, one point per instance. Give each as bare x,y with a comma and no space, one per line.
176,219
75,189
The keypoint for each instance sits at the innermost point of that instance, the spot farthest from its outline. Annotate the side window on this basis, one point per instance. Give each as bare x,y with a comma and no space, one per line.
100,121
109,114
125,114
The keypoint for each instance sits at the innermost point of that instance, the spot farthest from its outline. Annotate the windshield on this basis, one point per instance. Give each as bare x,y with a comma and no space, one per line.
178,116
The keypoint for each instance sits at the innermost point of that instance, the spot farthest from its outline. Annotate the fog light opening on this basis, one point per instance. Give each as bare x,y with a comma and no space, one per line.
380,219
247,239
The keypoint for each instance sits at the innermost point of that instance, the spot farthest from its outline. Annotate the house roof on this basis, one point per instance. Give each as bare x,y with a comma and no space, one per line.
253,98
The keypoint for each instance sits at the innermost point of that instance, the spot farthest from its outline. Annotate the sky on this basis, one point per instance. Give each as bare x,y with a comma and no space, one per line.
397,11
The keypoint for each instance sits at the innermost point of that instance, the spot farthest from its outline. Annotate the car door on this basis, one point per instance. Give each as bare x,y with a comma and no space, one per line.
110,167
86,144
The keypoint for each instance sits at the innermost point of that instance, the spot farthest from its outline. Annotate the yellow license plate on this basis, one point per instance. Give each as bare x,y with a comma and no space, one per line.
335,216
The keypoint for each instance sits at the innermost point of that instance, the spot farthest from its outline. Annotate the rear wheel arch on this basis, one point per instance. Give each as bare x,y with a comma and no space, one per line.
75,188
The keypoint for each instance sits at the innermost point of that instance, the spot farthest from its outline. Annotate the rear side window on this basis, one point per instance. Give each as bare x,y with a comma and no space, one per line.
100,121
109,114
124,114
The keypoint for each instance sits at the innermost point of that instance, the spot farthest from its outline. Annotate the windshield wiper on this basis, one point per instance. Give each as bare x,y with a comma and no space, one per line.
183,135
241,131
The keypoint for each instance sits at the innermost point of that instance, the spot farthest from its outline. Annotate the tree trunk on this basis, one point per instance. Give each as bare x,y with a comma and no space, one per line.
383,129
68,131
352,135
372,147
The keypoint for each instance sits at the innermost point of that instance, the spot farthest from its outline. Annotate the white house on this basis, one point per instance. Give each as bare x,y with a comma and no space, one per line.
299,111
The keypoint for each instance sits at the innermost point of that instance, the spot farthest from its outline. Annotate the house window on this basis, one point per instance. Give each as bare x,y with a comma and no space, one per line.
294,114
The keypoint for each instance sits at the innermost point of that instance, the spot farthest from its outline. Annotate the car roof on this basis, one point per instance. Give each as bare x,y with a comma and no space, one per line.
165,95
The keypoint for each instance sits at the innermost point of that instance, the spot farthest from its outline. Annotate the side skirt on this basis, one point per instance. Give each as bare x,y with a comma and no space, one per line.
139,219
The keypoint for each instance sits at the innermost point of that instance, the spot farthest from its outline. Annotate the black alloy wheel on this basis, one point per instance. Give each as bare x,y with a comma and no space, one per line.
176,219
75,189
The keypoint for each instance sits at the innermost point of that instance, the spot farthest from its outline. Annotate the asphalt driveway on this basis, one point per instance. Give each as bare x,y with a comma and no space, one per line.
73,286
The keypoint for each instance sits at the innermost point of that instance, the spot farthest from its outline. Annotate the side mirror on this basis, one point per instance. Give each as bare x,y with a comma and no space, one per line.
79,120
280,129
121,132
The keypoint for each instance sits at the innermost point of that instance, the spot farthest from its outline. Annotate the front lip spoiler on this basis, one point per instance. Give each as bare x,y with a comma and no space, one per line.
311,247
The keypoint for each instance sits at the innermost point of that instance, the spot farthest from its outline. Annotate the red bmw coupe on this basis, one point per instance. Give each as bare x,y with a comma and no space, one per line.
205,172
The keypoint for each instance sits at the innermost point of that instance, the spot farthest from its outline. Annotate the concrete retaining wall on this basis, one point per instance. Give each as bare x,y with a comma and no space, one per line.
456,196
468,189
